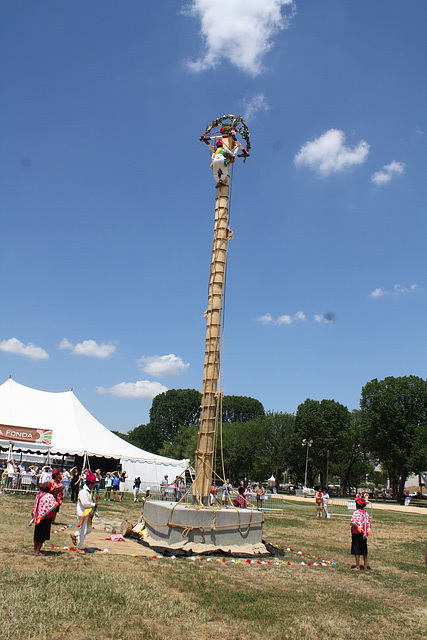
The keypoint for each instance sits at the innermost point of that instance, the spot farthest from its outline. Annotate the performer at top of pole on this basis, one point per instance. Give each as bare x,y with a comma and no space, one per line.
227,146
221,158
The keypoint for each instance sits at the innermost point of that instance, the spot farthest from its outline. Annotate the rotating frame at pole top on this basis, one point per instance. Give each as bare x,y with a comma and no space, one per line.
229,127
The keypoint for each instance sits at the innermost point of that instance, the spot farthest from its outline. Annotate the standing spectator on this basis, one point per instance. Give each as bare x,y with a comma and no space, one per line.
123,477
226,488
16,477
86,505
182,487
97,489
136,487
176,489
21,473
163,486
108,485
319,503
26,480
146,497
259,493
35,473
212,495
3,479
75,484
360,529
325,502
66,481
116,485
10,473
240,501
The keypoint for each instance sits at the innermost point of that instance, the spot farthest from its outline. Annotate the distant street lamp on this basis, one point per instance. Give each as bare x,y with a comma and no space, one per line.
306,443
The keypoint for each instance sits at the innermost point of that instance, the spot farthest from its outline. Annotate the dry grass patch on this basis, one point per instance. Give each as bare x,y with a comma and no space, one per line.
101,596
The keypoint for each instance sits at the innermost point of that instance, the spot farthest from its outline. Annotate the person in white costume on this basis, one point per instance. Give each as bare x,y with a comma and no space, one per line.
221,158
85,508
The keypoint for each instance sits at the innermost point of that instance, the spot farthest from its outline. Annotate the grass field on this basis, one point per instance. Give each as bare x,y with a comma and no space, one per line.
64,595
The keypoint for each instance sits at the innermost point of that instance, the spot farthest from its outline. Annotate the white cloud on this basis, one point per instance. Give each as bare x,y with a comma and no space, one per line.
287,319
282,320
265,319
254,105
167,366
328,154
65,344
89,348
13,345
378,293
299,315
239,31
140,389
328,318
388,172
398,289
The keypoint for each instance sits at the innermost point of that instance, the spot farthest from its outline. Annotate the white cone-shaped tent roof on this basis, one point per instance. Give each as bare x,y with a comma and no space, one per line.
74,430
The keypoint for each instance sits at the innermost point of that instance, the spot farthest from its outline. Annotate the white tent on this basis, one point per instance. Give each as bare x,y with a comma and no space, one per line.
25,412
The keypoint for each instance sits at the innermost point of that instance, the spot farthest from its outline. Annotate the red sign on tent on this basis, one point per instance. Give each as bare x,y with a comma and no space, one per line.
26,434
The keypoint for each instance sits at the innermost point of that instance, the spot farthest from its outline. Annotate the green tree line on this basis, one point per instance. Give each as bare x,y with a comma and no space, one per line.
390,428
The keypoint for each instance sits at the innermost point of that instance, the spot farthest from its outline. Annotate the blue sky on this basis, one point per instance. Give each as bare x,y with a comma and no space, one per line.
107,197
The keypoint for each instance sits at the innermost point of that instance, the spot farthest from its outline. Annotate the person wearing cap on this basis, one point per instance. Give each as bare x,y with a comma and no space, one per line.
360,529
85,508
46,476
163,486
108,486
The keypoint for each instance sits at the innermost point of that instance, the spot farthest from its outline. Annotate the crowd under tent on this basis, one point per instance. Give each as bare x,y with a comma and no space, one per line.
57,424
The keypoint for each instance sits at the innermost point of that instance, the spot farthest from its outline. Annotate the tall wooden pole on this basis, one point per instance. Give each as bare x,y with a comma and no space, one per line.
206,442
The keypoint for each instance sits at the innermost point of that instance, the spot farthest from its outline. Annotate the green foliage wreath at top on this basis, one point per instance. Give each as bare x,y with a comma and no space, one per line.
229,124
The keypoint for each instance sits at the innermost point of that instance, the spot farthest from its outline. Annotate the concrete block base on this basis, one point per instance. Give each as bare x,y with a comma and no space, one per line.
171,523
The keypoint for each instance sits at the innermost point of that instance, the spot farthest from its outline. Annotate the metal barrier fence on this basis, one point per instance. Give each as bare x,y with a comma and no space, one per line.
270,502
24,484
345,507
19,484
